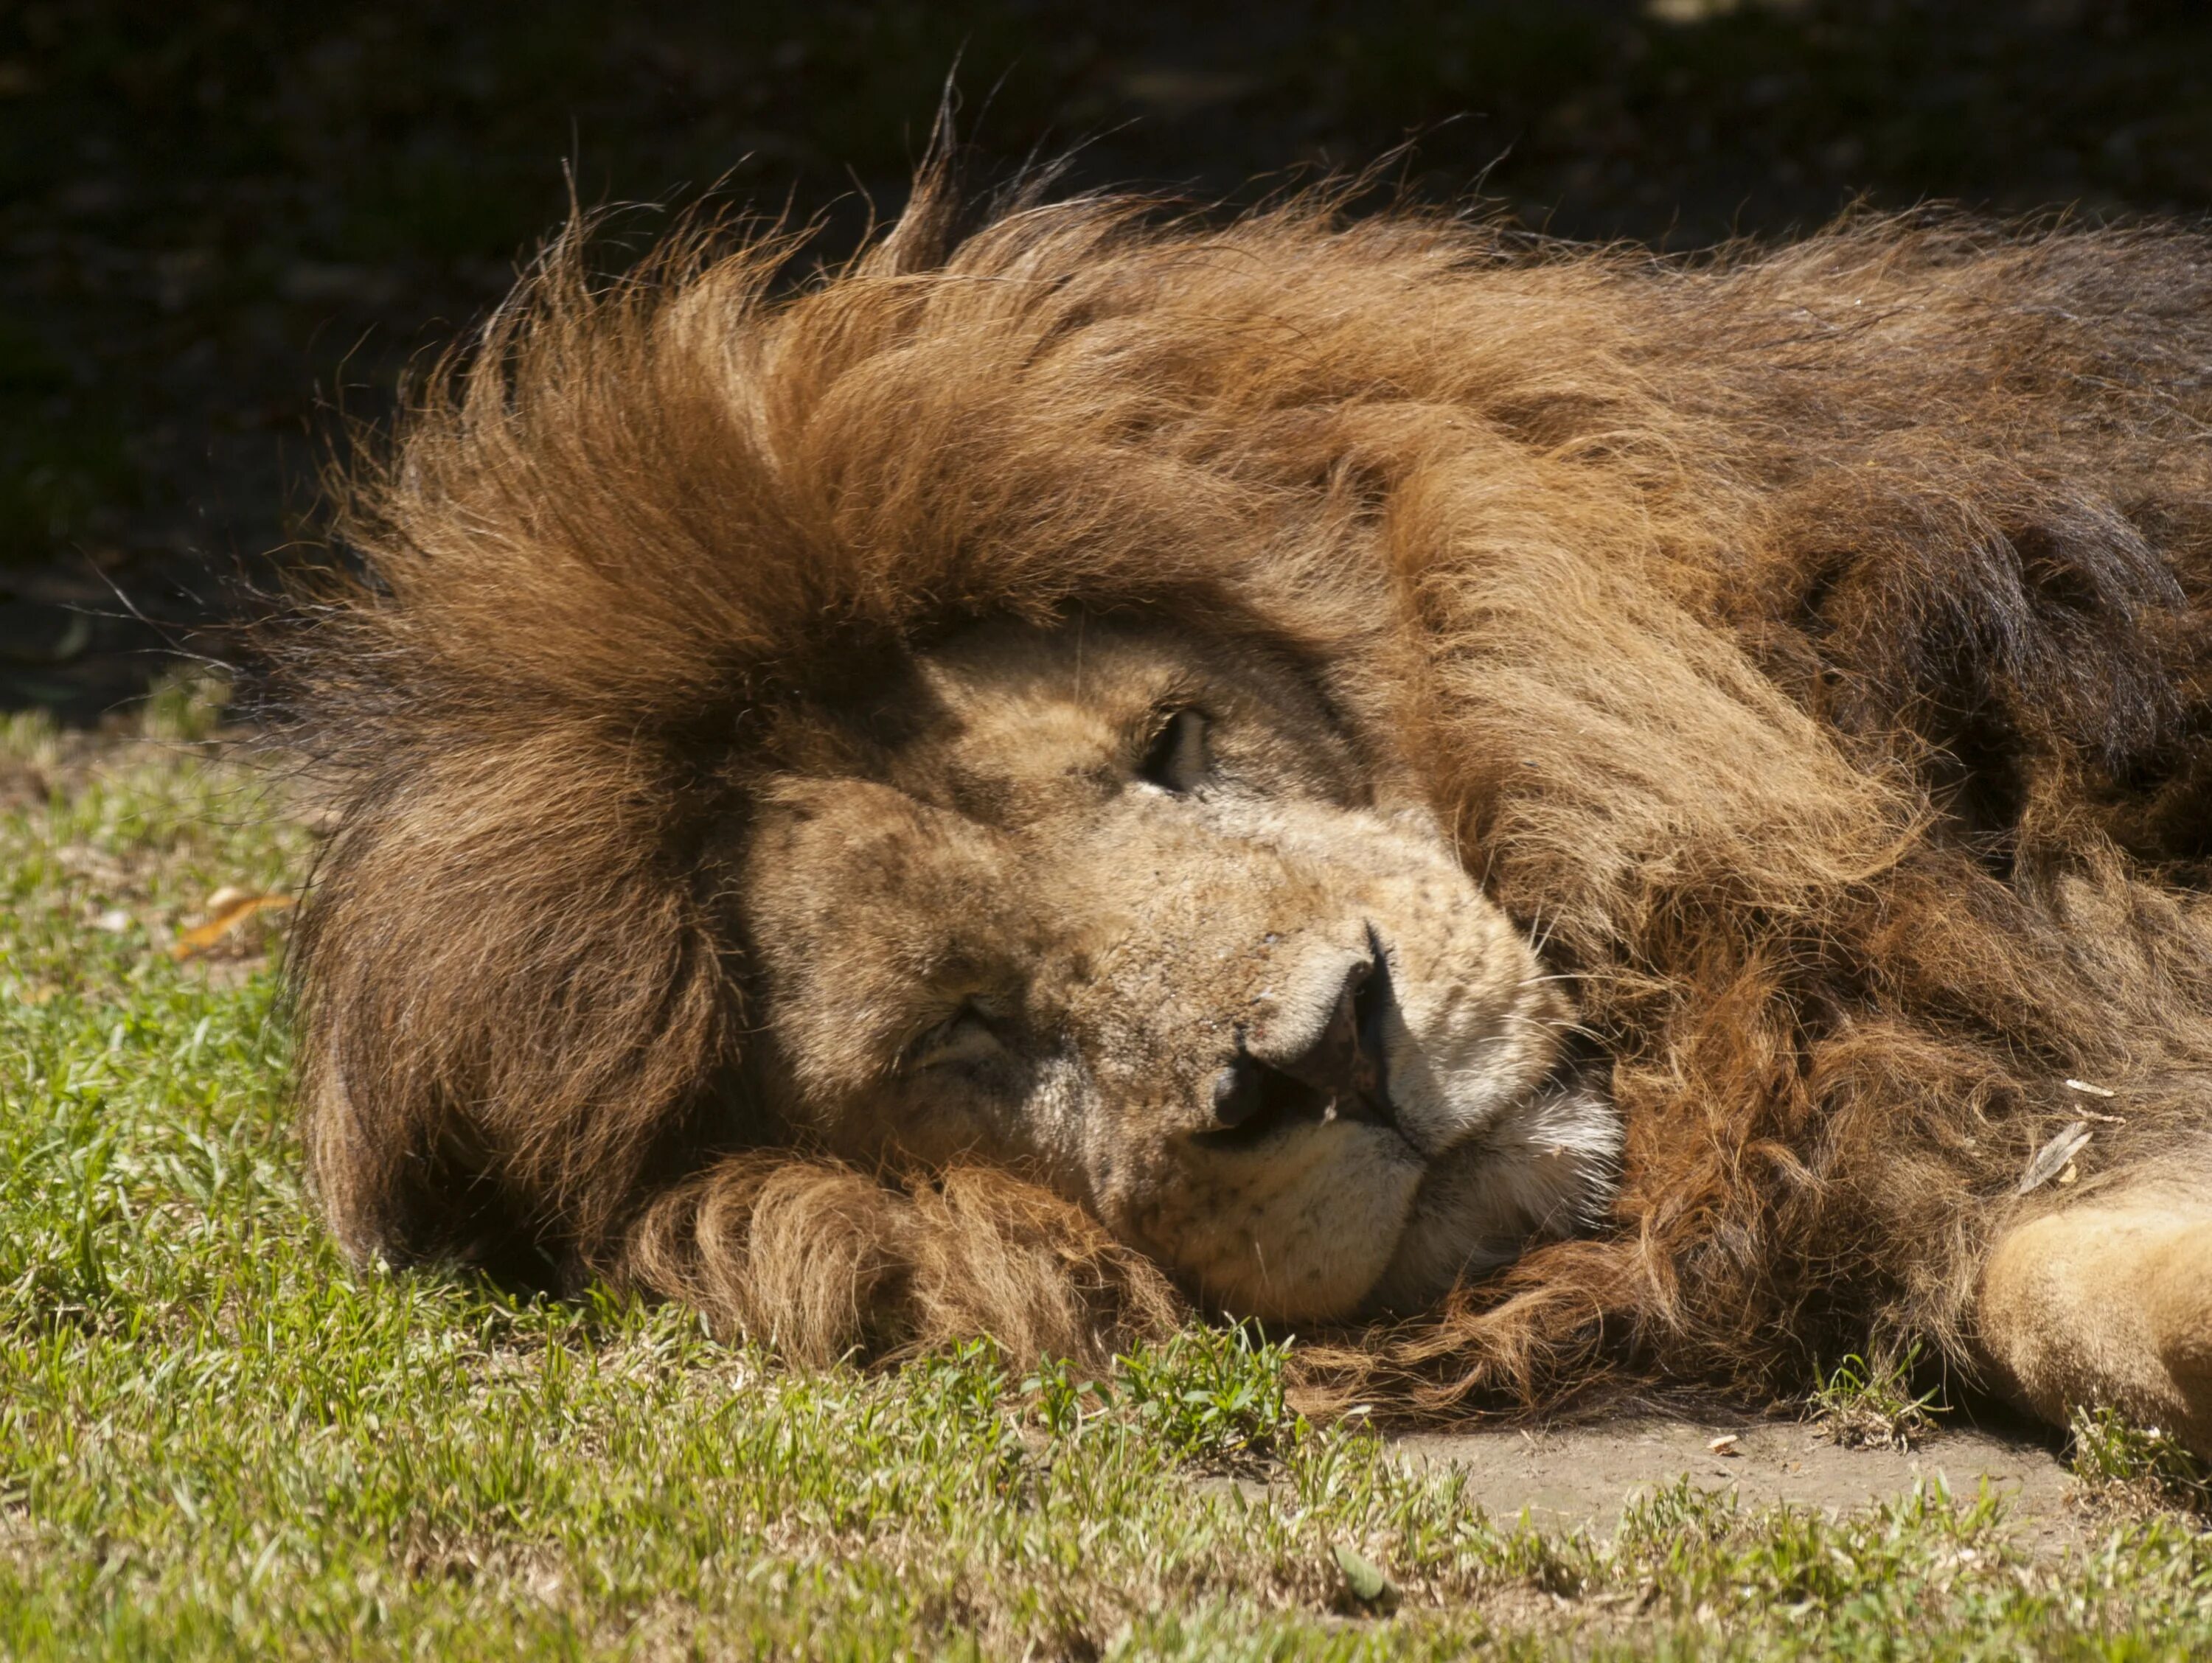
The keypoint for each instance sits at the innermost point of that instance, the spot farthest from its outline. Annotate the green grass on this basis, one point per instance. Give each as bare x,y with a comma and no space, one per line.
2134,1465
1864,1404
215,1440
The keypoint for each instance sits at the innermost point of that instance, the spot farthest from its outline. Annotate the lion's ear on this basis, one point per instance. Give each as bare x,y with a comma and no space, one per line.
512,1009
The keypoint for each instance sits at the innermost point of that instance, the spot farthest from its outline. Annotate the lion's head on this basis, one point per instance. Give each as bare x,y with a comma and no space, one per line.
914,803
1126,909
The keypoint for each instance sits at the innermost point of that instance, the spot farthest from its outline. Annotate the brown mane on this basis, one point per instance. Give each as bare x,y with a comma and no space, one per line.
1810,645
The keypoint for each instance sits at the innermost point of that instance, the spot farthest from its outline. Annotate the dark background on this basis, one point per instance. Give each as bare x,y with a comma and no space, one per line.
222,225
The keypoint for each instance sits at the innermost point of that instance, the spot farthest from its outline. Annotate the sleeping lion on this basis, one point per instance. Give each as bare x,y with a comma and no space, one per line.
1526,811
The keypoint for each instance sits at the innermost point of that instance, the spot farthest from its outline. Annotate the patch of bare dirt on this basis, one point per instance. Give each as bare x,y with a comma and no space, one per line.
1571,1476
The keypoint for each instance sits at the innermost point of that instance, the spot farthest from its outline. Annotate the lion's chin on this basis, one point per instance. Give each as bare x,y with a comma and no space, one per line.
1344,1219
1297,1230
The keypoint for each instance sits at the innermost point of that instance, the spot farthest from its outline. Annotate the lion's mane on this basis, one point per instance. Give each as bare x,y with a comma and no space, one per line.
1808,645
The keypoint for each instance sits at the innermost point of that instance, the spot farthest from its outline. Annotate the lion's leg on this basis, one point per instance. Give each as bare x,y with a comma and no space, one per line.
2107,1302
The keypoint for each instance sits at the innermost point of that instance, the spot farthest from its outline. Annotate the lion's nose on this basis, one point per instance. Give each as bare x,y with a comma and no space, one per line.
1238,1092
1345,1061
1340,1075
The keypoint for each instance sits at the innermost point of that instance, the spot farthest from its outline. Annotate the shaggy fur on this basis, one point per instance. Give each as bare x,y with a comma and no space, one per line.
1810,646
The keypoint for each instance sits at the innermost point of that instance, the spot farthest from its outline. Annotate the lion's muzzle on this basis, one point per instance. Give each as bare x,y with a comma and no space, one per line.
1342,1074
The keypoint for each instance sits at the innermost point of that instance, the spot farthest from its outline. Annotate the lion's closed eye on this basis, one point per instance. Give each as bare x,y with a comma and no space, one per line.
968,1035
1176,759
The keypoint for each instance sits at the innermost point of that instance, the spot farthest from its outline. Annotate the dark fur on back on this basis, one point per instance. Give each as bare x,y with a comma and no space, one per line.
1811,646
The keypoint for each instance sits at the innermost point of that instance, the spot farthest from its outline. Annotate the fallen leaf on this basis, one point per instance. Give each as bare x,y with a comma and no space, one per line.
228,908
1726,1444
1366,1580
2052,1159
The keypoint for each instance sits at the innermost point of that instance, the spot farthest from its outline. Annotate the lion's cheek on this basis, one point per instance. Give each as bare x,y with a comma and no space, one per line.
1461,1056
1299,1232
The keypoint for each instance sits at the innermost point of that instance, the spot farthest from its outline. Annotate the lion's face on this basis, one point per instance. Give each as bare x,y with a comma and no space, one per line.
1124,912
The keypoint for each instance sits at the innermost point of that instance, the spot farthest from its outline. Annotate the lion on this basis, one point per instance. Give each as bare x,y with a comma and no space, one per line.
1530,812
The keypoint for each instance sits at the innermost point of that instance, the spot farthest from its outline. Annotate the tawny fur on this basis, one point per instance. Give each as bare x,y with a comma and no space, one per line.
1811,646
819,1260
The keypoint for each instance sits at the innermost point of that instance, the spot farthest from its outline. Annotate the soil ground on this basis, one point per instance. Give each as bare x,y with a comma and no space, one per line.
1583,1476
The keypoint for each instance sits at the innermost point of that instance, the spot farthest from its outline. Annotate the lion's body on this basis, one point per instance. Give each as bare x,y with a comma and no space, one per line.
1812,651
